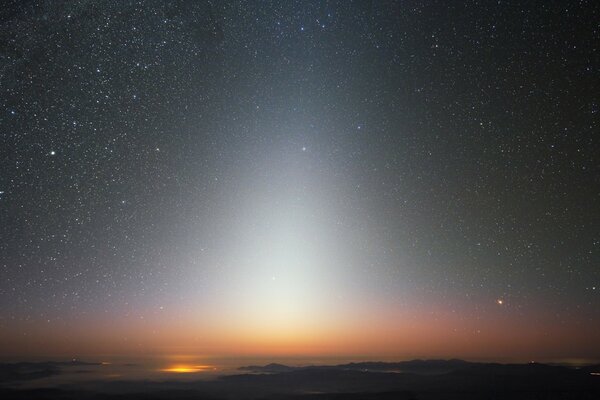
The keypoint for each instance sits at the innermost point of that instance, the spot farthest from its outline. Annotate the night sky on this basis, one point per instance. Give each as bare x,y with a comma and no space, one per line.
355,178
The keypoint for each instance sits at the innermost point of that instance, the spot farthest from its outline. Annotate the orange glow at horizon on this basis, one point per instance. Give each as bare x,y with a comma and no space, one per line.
387,334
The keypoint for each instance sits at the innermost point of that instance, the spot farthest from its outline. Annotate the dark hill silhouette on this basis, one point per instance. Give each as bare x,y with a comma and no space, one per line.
415,366
269,368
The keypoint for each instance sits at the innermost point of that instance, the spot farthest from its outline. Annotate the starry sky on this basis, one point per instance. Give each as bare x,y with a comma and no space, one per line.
359,178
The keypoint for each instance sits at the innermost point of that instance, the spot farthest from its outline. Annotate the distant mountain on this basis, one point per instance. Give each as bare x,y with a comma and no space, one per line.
413,366
272,368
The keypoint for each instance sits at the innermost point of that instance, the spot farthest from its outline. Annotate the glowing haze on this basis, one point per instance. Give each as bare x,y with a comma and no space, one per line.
302,179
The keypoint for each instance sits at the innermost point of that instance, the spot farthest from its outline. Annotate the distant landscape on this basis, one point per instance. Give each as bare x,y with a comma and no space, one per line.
416,379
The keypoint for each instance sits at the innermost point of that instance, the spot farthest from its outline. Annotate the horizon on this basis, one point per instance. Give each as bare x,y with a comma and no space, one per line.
234,363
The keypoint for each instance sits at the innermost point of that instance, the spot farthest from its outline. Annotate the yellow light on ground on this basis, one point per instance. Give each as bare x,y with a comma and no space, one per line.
186,369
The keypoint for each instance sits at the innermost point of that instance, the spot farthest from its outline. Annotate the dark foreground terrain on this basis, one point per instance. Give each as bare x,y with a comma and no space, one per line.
433,379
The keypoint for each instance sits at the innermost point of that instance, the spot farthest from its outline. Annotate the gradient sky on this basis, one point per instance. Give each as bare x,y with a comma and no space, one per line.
369,179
